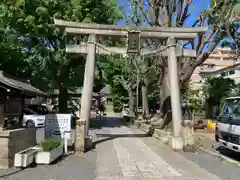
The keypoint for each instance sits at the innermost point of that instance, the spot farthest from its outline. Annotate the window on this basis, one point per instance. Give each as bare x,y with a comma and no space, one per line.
231,106
223,74
28,111
226,59
211,65
232,72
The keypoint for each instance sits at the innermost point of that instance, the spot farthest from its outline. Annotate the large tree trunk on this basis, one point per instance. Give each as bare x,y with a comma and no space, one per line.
131,103
165,96
145,102
63,99
165,88
166,109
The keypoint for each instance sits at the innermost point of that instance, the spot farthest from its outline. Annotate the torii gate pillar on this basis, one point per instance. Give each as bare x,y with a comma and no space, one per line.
84,141
177,140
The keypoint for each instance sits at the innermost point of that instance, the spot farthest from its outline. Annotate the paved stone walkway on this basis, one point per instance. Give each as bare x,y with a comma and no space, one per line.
127,154
121,153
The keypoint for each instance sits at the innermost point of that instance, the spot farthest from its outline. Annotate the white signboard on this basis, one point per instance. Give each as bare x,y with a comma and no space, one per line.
58,124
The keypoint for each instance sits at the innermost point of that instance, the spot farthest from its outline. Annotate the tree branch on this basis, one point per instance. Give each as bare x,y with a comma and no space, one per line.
184,15
179,11
204,41
200,59
140,5
122,81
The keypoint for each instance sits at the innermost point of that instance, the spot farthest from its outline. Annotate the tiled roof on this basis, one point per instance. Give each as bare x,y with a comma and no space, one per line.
77,91
105,90
12,82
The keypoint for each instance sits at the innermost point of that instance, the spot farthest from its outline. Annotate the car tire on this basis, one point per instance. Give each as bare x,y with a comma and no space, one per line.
216,138
30,124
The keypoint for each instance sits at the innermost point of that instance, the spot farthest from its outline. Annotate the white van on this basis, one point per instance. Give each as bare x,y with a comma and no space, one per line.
228,125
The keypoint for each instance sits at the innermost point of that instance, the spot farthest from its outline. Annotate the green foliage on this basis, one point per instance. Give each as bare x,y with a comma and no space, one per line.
195,99
233,30
116,74
236,90
49,145
217,88
45,60
118,102
120,96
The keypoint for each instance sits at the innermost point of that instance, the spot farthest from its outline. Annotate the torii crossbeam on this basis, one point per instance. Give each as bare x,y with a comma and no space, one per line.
103,50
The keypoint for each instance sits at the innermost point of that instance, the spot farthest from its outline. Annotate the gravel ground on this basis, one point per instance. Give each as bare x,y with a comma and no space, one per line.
222,169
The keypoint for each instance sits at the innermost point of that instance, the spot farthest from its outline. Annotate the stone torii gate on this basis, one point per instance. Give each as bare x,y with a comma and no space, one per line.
94,30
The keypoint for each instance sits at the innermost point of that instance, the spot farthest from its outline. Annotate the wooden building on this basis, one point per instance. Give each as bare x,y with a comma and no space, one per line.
14,138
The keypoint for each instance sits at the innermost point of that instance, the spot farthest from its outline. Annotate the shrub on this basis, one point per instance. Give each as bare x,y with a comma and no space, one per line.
50,144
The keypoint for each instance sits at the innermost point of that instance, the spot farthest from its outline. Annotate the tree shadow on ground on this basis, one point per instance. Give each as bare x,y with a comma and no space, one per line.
107,137
96,123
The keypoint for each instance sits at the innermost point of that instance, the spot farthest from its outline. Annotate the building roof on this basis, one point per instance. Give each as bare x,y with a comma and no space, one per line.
78,91
18,84
105,90
219,62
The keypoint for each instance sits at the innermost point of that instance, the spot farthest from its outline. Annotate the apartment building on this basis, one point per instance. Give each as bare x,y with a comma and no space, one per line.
220,58
232,72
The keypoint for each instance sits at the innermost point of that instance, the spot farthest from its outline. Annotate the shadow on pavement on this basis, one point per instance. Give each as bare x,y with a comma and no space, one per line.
105,122
226,152
11,173
110,122
114,136
209,143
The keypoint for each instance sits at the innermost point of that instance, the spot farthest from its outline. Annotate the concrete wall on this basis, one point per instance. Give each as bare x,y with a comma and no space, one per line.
13,141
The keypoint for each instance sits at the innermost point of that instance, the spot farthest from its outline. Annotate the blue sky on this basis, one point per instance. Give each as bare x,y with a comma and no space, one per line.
196,9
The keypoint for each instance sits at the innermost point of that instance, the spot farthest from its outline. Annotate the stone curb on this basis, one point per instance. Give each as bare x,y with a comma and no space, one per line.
209,152
217,154
223,157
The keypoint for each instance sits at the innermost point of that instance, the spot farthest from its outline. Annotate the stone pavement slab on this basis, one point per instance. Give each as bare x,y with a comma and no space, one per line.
141,157
107,161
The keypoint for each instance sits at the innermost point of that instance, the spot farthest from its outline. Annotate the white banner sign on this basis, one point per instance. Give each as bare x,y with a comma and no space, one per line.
58,124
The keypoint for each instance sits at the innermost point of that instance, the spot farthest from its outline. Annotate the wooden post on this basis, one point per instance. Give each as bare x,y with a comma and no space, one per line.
176,142
86,99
